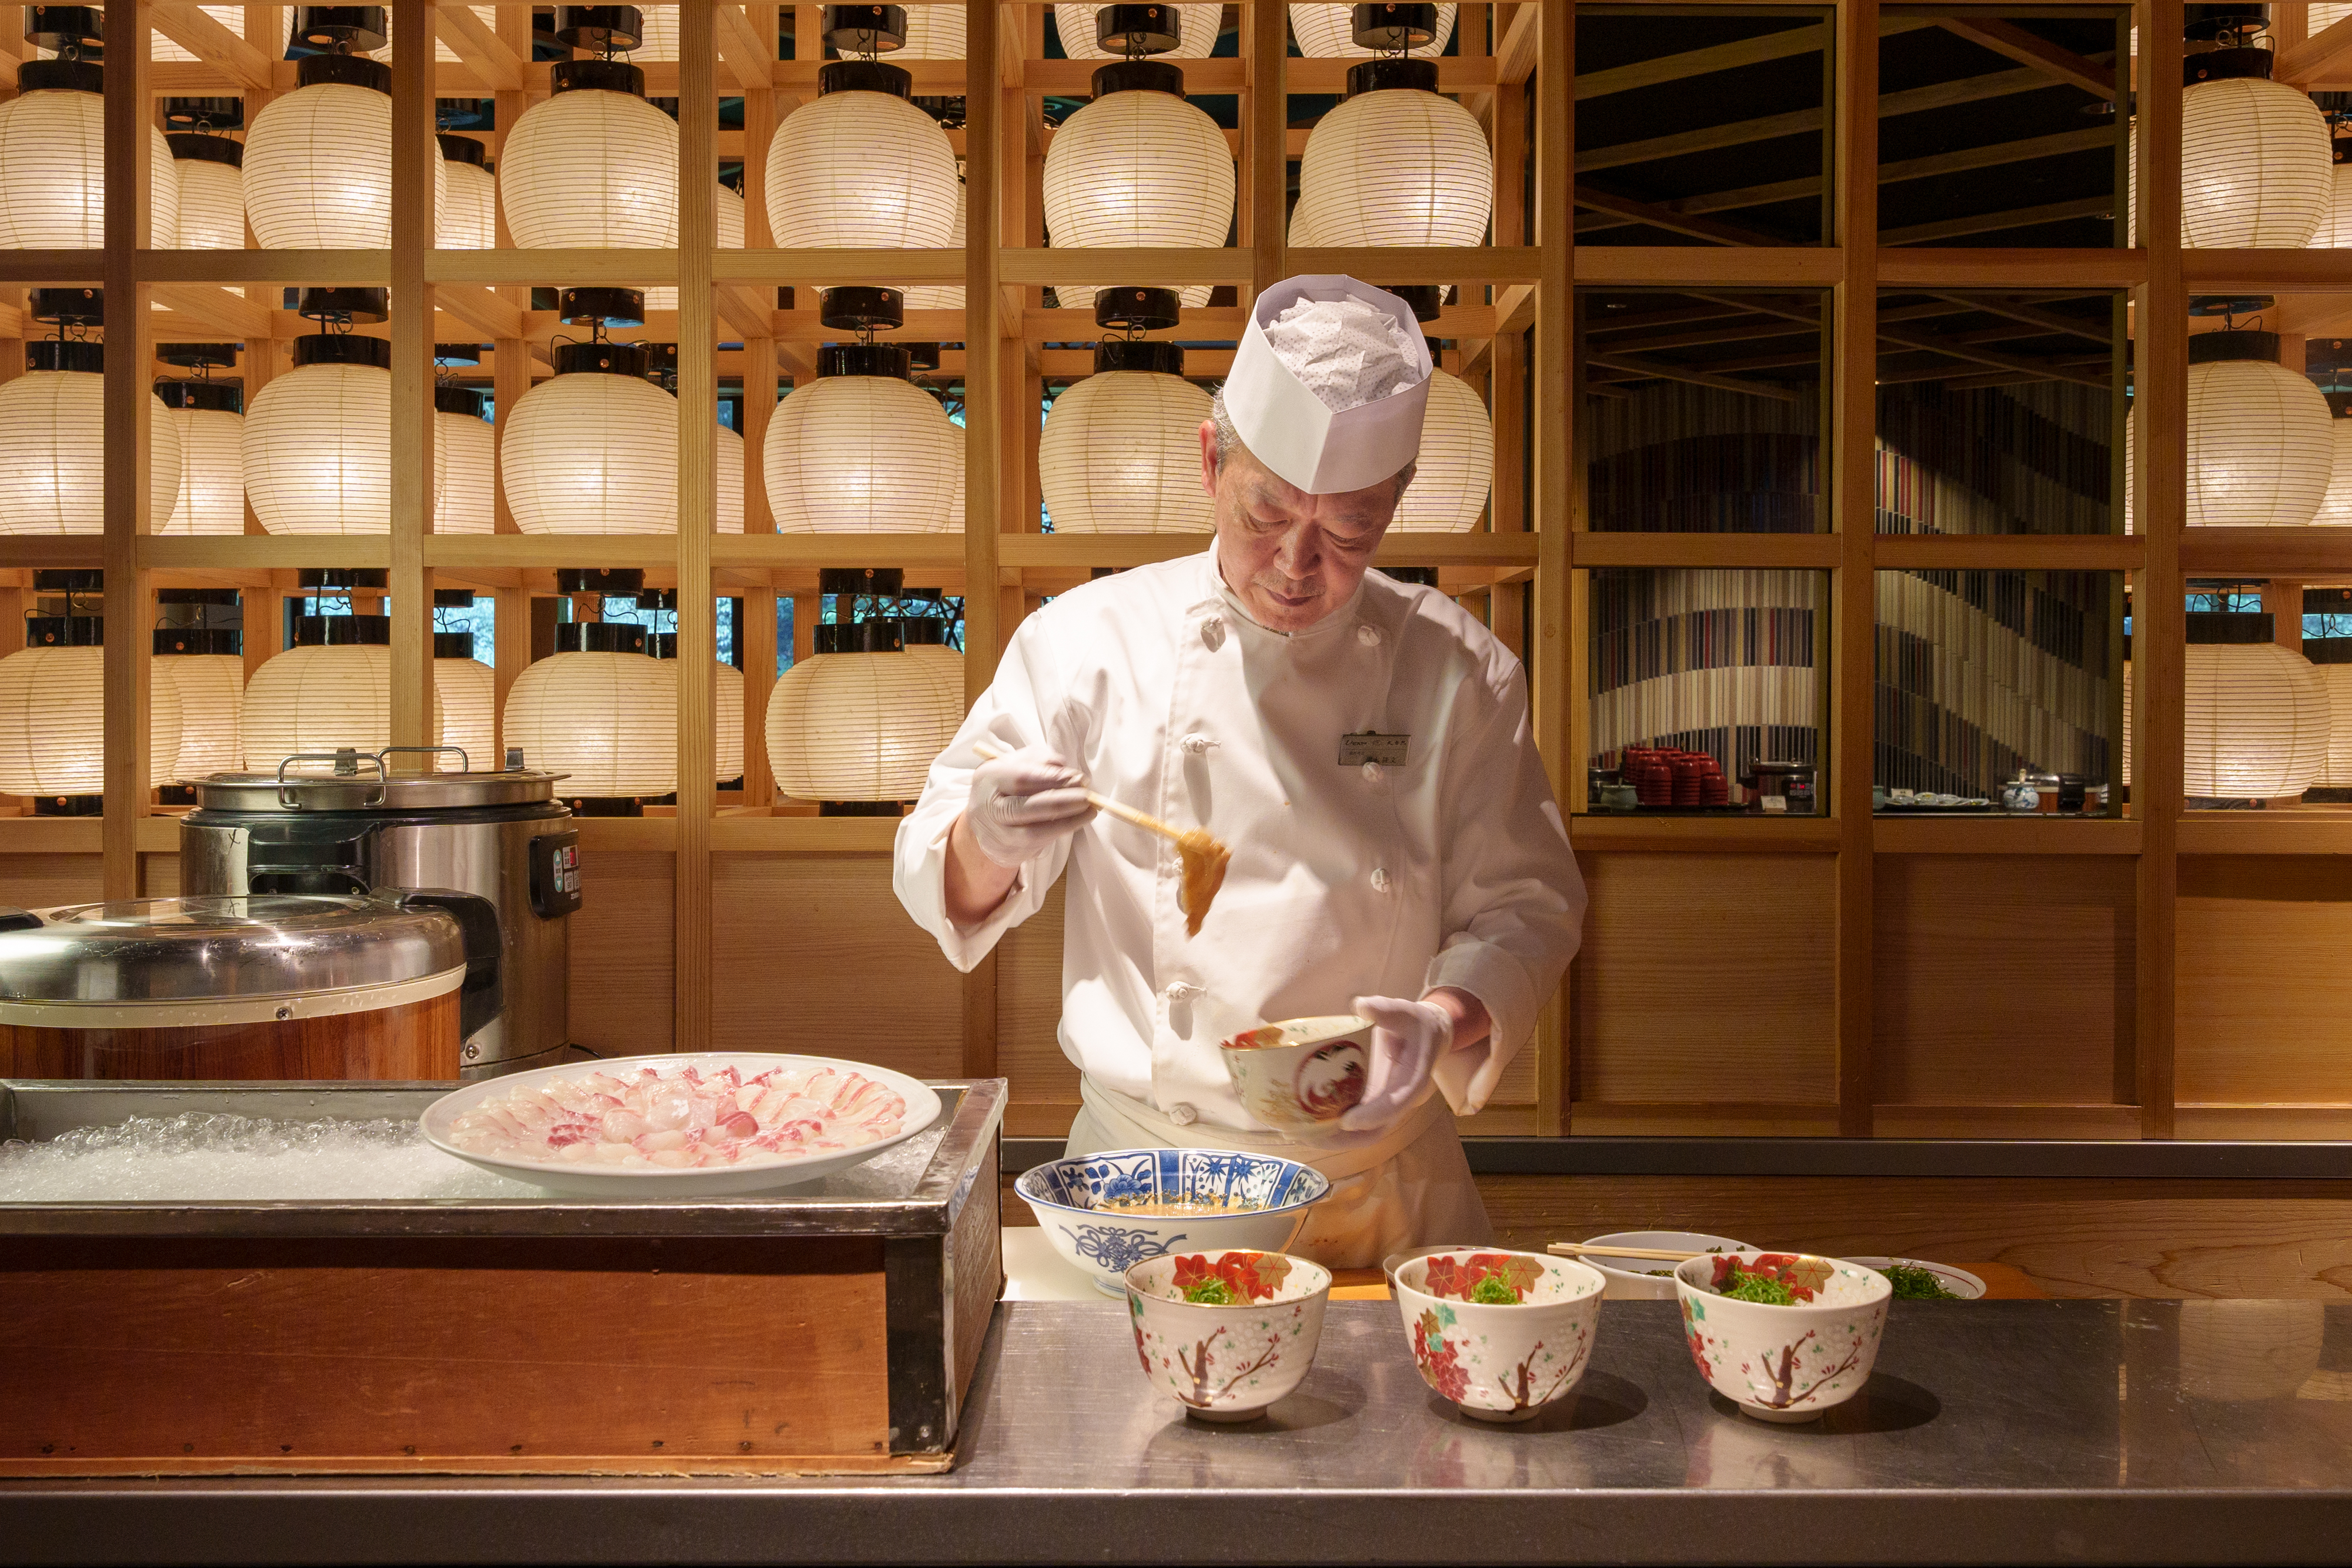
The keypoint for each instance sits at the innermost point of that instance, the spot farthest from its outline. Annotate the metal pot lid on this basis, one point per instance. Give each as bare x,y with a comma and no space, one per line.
96,963
370,789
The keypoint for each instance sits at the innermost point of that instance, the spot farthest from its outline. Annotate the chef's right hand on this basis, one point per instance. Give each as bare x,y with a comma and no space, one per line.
1021,802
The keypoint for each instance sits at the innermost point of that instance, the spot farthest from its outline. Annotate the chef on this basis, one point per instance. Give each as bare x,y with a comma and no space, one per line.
1363,747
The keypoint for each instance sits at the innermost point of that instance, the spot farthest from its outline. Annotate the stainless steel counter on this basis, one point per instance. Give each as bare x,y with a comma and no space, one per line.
2016,1431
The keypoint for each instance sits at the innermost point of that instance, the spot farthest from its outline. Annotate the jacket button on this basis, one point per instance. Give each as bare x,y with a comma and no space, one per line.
1181,991
1196,744
1182,1114
1371,772
1370,636
1380,879
1212,633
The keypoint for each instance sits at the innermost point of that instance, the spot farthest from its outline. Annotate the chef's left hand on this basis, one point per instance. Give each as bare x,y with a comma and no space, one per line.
1408,1038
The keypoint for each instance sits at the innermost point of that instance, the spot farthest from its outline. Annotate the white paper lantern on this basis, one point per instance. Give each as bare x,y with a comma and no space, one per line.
320,699
955,507
2257,722
466,696
2335,768
1120,453
469,206
659,40
211,688
210,495
731,479
727,722
863,727
861,454
593,452
53,446
318,161
730,238
2259,446
2254,165
318,440
1329,33
1394,166
933,33
161,49
593,167
210,175
2335,231
53,722
53,163
860,167
944,296
609,720
465,464
1456,466
1197,23
1138,167
2335,507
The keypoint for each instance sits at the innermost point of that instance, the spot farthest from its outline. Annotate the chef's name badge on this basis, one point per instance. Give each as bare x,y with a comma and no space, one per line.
1371,745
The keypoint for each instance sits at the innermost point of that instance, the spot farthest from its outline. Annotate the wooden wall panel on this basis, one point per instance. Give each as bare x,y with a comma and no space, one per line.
1028,1010
36,882
158,876
817,955
2002,980
621,965
2263,994
1705,978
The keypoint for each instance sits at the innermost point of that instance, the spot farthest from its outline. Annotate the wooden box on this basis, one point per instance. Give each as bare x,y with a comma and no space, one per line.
827,1330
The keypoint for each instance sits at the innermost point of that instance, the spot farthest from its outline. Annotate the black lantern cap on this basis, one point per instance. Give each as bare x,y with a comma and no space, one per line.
199,356
67,306
865,360
662,645
462,150
342,349
2222,64
343,631
344,70
458,354
661,360
874,581
2339,403
453,645
222,397
188,641
1139,354
2208,628
65,631
336,28
921,356
69,580
1138,29
1394,26
453,599
2216,348
60,76
612,579
2226,305
599,637
865,76
207,598
466,401
857,308
219,113
51,354
866,29
1139,76
1387,76
600,27
1129,310
339,579
599,76
2327,356
197,147
879,635
600,358
1426,299
63,27
657,598
613,307
359,306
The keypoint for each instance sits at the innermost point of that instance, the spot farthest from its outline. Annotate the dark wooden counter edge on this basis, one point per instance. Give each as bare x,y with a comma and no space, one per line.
907,1522
1866,1157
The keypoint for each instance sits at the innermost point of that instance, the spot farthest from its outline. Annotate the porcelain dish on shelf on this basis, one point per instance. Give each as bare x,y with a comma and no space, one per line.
1226,1361
1960,1281
747,1176
1784,1364
1247,1200
1499,1361
1641,1278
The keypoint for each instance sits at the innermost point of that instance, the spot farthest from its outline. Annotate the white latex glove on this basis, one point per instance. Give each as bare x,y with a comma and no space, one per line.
1022,801
1408,1038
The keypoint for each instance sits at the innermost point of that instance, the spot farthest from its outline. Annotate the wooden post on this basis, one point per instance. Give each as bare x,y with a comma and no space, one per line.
1554,424
2159,610
1853,585
511,652
756,634
698,501
127,405
410,582
1266,141
759,408
985,217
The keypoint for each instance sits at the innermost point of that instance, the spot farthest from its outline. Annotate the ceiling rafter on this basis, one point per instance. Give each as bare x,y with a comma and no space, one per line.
2016,43
1993,222
1667,370
1930,343
1654,215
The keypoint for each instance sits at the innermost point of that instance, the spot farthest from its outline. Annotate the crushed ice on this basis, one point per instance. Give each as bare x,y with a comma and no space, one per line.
202,1157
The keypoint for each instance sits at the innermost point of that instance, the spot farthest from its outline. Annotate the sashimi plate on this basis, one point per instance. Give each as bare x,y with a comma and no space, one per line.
606,1129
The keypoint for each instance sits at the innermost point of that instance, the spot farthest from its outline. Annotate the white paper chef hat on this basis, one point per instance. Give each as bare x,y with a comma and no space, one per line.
1285,420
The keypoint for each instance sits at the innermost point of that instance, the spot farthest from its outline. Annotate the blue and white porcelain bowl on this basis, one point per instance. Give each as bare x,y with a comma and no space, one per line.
1090,1207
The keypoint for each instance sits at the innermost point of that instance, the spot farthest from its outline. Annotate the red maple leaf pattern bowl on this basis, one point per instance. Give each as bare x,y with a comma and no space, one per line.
1227,1360
1499,1361
1783,1363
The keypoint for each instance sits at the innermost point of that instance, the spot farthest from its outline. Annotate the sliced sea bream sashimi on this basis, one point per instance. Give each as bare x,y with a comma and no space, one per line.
682,1118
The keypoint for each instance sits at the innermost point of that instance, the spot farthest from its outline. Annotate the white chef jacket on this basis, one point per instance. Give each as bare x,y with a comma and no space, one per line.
1453,869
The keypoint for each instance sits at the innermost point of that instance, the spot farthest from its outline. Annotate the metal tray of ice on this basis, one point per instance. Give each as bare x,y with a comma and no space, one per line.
312,1159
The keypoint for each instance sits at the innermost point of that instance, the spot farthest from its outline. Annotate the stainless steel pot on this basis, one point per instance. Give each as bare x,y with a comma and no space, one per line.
497,851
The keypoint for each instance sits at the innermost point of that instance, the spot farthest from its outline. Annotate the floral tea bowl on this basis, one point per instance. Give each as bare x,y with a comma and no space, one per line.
1779,1362
1502,1334
1227,1332
1107,1211
1301,1074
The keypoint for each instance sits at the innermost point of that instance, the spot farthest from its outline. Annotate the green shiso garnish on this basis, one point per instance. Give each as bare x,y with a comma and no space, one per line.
1494,1290
1770,1293
1913,1284
1210,1292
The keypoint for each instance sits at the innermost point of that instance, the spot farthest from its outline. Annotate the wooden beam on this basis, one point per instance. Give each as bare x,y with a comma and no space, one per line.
1660,216
1559,630
1805,39
2325,54
1516,49
193,30
478,48
413,155
1269,71
1993,222
215,308
127,405
1664,369
481,310
750,57
698,501
2008,39
2032,315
